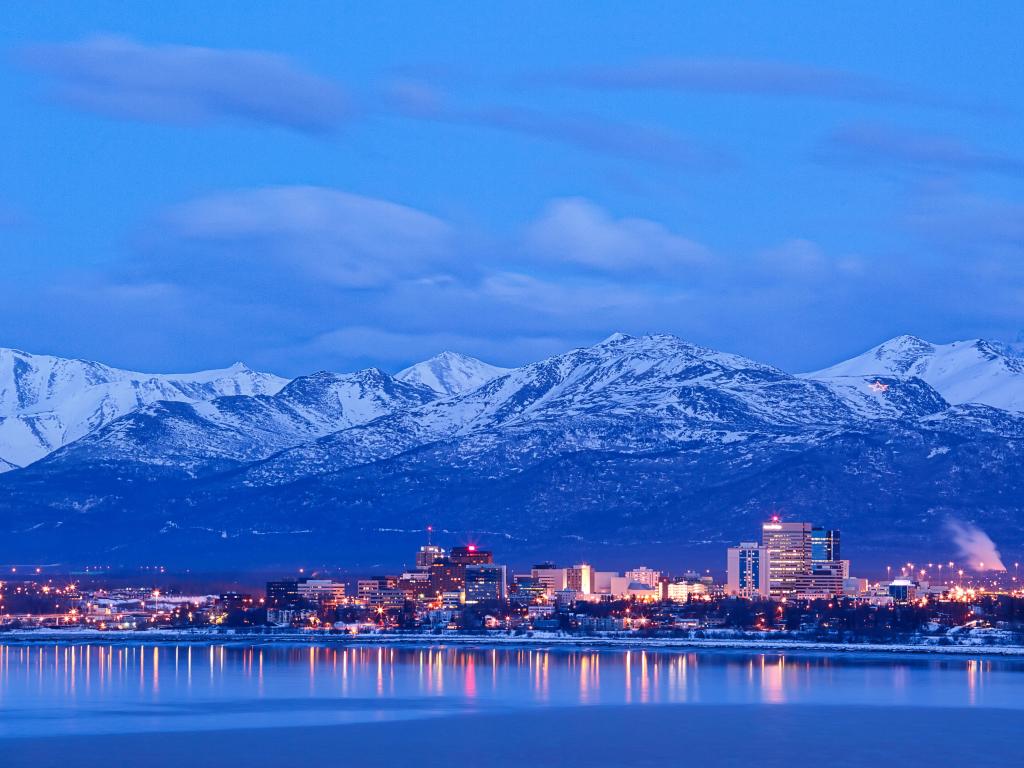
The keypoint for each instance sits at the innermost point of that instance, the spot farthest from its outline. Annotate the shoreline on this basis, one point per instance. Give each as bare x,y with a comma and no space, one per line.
185,637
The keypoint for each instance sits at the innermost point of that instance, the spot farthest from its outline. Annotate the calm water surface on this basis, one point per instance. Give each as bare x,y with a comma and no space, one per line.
59,690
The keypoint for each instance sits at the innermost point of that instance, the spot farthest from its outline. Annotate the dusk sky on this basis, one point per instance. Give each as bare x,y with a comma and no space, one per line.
368,184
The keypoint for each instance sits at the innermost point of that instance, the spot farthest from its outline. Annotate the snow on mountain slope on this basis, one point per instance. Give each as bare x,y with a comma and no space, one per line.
887,397
217,434
450,373
625,393
975,371
47,402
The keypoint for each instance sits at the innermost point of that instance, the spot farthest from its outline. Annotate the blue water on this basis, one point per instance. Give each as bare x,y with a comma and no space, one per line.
62,690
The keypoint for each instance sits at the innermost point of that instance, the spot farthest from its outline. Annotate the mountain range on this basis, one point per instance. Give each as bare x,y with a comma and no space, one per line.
635,445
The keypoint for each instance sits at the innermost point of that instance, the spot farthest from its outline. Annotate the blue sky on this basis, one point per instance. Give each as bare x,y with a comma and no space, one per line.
334,185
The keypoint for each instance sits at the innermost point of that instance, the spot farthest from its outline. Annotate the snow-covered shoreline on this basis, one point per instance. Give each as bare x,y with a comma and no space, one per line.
537,640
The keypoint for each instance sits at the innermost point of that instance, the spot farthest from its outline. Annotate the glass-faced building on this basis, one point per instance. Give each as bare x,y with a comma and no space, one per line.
748,570
485,583
824,545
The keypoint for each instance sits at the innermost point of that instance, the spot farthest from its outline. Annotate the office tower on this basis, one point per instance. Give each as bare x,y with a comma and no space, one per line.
485,583
824,544
426,556
470,554
748,571
446,576
580,578
789,556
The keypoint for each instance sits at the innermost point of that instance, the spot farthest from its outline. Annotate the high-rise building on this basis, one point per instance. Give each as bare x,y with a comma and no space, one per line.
789,556
446,576
471,554
580,578
426,556
824,544
748,571
485,583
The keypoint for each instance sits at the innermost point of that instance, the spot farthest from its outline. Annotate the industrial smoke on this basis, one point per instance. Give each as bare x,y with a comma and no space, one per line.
975,546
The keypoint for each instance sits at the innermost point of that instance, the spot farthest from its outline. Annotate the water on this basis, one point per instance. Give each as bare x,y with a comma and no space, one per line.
49,692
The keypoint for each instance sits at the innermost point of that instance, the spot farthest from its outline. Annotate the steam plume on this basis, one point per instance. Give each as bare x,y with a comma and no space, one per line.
975,546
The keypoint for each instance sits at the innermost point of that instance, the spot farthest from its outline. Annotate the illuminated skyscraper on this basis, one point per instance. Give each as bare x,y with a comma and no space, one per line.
426,556
748,570
471,554
824,545
789,556
580,578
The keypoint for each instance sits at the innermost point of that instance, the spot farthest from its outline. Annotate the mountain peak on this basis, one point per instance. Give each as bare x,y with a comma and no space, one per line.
48,401
450,373
615,338
971,371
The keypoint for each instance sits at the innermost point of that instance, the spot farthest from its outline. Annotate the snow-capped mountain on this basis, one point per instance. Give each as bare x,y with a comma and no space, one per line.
215,435
47,402
450,373
974,371
635,439
628,393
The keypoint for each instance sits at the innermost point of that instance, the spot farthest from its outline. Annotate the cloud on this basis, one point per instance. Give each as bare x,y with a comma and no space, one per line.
575,231
122,78
805,259
633,141
302,278
967,223
750,76
318,233
867,143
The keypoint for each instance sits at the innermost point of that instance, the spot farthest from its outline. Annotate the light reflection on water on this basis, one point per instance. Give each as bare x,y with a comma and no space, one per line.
116,688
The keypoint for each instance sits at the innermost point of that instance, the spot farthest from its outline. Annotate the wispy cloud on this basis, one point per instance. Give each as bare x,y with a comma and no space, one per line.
120,77
869,143
634,141
750,76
